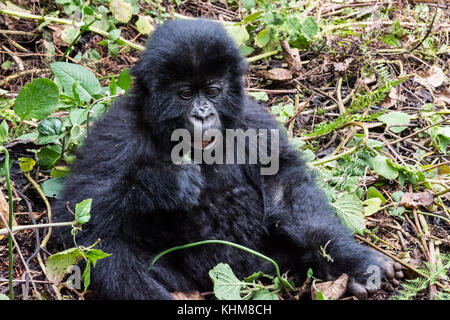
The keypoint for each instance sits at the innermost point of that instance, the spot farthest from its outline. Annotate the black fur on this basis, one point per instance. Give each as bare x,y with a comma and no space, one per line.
143,204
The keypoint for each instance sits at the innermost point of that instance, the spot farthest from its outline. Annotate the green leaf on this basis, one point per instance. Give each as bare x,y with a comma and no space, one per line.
59,172
390,40
69,34
239,34
69,73
246,50
49,156
36,99
226,285
124,79
371,206
96,254
350,211
52,187
78,116
395,118
259,95
257,275
114,35
121,10
264,294
248,4
262,38
26,164
397,196
83,211
3,132
372,192
144,25
50,126
309,27
59,263
3,297
87,275
383,168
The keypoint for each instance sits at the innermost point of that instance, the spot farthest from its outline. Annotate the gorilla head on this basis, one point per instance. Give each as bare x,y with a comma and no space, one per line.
191,73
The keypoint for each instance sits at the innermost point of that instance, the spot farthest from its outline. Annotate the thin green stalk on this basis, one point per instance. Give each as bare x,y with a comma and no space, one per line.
10,240
235,245
82,31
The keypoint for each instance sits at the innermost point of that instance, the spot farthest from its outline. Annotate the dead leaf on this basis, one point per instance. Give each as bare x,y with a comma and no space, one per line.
391,100
442,97
342,66
433,77
278,74
4,211
331,289
292,57
193,295
415,199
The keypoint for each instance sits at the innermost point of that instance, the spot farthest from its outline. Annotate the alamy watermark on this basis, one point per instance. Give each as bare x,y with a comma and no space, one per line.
236,146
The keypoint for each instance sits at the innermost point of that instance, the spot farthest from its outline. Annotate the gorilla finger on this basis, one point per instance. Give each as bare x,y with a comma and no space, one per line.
395,282
371,289
399,274
397,266
389,270
358,291
387,287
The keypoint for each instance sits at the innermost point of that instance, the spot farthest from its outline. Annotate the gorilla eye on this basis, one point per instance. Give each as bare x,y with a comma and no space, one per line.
212,92
186,94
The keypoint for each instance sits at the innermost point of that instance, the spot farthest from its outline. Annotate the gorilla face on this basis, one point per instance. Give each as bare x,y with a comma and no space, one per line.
192,83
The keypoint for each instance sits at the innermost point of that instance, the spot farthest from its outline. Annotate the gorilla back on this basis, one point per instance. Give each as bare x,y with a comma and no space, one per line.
190,78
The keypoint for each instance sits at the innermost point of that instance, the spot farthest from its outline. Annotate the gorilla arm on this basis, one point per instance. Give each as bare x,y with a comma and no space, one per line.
298,213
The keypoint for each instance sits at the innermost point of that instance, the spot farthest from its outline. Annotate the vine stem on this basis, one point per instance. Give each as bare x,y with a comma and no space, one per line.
25,15
232,244
10,236
47,204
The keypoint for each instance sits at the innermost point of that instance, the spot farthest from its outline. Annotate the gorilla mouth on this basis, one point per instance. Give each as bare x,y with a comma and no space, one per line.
204,144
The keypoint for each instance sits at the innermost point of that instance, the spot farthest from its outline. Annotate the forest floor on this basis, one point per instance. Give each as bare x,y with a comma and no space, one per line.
362,88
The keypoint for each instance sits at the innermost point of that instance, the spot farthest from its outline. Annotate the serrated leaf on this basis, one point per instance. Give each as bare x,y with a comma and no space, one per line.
58,263
383,168
96,254
121,10
226,285
350,211
309,27
36,99
68,73
83,211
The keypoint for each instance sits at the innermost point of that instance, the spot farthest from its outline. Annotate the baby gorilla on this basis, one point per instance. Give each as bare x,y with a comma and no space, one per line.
190,77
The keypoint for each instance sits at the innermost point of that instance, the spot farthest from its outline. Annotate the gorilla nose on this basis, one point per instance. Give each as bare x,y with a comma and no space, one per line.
203,118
